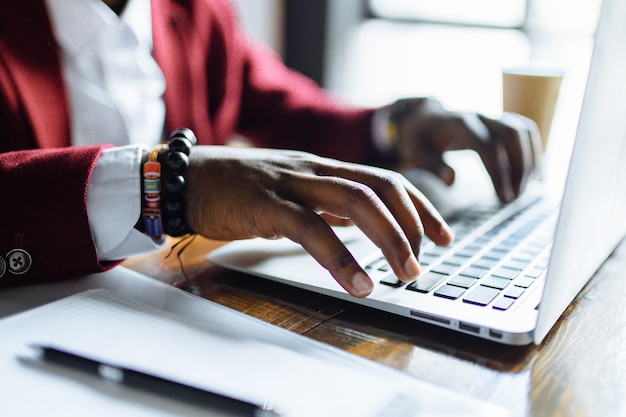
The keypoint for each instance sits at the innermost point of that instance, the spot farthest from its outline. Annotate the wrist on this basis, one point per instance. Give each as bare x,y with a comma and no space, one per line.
139,225
152,195
175,161
387,128
403,108
163,185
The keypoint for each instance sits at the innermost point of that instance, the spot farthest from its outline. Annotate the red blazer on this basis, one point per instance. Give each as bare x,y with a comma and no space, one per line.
217,84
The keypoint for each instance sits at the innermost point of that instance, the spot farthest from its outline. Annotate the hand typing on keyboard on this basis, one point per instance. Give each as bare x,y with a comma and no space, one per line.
239,193
510,147
497,255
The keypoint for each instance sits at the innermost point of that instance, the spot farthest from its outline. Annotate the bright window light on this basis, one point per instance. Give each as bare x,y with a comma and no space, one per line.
501,13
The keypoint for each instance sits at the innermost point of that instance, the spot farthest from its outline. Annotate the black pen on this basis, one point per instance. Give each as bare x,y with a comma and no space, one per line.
153,384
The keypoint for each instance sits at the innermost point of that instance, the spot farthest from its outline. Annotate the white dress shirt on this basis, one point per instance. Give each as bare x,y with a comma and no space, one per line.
115,91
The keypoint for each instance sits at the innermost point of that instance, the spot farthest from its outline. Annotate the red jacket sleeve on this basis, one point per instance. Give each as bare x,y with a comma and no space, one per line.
245,88
44,231
282,108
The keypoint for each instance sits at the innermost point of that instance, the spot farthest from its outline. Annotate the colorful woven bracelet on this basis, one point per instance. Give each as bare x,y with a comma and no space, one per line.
153,225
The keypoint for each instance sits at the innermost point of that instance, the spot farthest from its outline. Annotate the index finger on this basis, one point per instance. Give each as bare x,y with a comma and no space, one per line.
346,198
308,229
519,139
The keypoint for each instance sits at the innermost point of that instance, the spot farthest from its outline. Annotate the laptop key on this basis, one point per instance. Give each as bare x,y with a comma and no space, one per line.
515,264
437,250
514,292
463,282
391,280
426,282
524,282
375,263
485,263
445,269
427,258
503,304
494,255
469,251
535,272
481,295
524,258
449,291
385,267
495,282
507,245
473,272
506,273
455,260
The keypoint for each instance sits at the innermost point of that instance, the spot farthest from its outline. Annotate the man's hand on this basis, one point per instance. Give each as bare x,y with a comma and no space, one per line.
240,193
510,147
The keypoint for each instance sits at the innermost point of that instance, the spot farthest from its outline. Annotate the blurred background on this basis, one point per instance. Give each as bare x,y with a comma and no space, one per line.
370,52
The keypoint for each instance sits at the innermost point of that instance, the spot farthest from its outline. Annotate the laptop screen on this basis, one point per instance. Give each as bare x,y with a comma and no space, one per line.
592,220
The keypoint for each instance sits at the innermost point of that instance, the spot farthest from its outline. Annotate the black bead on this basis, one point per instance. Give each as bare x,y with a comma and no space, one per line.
173,208
176,226
176,161
180,144
174,184
185,133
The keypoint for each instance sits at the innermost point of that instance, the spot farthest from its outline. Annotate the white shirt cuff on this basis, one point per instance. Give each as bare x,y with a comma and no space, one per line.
114,204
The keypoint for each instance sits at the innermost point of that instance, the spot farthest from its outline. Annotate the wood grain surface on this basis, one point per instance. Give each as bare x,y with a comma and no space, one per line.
579,370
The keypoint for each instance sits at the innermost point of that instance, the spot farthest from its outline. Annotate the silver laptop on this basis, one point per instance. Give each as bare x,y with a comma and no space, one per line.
512,270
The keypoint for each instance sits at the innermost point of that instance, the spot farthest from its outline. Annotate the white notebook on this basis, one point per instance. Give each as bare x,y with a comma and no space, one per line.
167,332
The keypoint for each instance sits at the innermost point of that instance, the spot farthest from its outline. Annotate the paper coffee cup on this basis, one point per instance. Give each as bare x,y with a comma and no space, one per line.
532,91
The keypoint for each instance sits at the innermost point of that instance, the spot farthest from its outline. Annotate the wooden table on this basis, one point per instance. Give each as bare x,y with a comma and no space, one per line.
579,370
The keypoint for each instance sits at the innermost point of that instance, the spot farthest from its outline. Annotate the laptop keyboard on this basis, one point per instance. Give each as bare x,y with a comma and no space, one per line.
497,255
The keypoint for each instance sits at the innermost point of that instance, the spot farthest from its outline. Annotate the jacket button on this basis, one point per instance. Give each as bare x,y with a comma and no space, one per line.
3,267
18,261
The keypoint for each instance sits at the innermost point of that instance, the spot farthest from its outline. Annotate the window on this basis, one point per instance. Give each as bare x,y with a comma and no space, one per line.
500,13
456,49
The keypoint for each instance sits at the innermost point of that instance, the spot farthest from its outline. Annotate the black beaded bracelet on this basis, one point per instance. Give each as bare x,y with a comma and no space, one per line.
175,162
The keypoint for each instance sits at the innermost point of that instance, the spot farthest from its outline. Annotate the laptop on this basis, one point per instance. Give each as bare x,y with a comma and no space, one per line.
512,270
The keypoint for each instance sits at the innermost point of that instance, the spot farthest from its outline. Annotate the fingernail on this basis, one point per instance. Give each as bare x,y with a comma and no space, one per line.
447,175
412,267
362,285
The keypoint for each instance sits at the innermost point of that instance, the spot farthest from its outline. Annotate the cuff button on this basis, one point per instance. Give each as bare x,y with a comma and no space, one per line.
18,261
